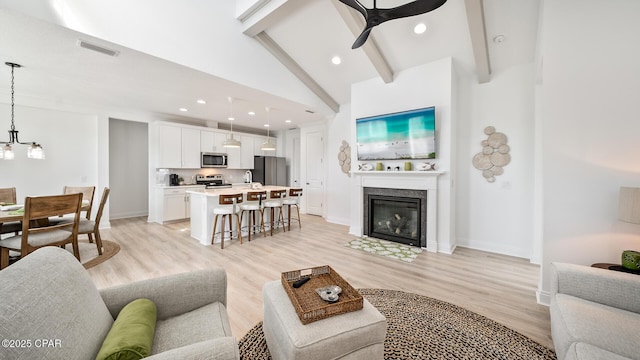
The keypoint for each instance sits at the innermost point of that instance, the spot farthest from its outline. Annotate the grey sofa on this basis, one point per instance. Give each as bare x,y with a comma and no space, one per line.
595,313
49,295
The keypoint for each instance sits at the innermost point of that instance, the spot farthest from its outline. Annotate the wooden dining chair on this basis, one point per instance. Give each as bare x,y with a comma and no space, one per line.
8,197
92,227
37,233
87,196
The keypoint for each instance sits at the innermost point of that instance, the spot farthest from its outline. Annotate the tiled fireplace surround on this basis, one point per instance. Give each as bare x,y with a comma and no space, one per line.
408,180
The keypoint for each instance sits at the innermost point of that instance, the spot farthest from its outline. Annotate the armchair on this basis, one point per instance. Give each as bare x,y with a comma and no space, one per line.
49,295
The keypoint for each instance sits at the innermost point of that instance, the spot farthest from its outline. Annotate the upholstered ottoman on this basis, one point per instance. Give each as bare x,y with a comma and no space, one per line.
354,335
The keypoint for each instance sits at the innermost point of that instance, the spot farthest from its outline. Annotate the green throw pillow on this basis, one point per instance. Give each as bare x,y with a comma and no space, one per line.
131,335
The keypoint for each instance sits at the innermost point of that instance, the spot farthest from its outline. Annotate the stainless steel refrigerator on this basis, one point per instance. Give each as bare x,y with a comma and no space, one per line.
270,170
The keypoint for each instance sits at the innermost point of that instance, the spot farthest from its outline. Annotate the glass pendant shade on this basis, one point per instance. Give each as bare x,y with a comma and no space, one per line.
35,152
231,142
268,145
7,152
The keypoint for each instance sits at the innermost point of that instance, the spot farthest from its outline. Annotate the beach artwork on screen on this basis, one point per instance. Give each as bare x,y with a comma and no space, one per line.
402,135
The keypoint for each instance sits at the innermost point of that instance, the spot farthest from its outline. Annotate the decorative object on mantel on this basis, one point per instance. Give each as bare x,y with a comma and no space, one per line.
494,155
344,157
365,167
426,166
6,152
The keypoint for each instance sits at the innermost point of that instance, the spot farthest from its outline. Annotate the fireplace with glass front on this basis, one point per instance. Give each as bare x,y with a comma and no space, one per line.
398,215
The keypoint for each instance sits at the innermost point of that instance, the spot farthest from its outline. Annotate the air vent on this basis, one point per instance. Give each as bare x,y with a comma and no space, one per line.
98,48
310,112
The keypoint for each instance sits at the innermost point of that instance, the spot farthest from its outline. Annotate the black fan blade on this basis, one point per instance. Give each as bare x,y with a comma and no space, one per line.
356,5
413,8
362,38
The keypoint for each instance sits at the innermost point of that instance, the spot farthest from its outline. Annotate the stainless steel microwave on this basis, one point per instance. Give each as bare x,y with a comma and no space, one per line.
213,160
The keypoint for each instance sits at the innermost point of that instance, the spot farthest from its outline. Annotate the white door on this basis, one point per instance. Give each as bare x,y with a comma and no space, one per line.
314,170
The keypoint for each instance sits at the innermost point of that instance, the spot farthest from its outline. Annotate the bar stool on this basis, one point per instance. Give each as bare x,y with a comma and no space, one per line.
293,200
229,201
253,205
274,203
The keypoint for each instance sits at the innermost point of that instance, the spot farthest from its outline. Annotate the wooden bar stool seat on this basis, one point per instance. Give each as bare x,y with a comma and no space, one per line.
293,200
254,205
227,210
275,202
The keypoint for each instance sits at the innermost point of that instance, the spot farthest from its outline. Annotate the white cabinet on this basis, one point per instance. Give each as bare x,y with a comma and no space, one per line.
175,202
190,148
241,158
178,148
169,147
211,141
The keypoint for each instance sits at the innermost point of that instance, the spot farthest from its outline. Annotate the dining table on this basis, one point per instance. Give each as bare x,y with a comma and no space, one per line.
12,213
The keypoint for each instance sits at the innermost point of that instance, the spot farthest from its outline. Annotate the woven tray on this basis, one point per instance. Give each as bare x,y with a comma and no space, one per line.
308,304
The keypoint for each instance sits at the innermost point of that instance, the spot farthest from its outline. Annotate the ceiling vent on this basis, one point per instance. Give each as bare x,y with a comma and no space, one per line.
310,112
98,48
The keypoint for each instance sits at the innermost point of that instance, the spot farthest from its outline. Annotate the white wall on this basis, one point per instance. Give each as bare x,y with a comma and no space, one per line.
338,183
70,142
497,216
128,165
421,86
590,129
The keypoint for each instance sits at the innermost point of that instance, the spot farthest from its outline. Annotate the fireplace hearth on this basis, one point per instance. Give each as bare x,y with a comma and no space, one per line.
398,215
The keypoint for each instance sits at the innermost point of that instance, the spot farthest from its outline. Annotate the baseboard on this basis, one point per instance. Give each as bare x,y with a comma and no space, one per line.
338,220
543,297
128,215
491,247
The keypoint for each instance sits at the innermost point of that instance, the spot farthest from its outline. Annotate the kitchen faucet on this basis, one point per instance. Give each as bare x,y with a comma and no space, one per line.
248,177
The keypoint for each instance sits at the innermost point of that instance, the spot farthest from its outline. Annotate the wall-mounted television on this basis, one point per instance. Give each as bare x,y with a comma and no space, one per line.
403,135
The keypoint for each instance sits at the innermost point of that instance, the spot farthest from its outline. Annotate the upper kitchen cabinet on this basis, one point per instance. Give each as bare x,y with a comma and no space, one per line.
178,148
242,157
211,141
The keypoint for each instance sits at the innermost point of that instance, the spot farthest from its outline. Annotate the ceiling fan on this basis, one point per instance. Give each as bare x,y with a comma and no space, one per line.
377,16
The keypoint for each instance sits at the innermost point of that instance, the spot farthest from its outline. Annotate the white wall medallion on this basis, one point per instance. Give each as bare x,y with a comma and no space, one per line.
344,157
494,155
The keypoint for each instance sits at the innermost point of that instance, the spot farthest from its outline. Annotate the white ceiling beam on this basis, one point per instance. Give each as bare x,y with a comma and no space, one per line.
268,13
356,23
296,69
478,34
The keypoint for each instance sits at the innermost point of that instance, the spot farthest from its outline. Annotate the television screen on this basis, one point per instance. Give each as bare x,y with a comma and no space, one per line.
402,135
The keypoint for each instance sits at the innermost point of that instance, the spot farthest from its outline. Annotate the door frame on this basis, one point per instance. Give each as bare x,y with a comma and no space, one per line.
304,130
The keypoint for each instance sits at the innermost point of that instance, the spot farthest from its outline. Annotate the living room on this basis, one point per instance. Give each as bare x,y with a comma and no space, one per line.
557,199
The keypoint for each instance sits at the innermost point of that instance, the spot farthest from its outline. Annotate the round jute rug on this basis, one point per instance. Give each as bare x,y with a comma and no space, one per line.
419,327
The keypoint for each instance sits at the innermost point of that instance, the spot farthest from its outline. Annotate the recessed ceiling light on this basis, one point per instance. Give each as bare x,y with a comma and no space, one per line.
287,121
420,28
266,125
183,109
200,101
230,118
336,60
251,113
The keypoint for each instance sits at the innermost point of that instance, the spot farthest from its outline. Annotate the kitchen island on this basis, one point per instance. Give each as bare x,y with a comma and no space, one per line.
204,201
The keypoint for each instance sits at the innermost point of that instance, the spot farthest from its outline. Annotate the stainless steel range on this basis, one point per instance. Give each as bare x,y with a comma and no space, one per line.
212,181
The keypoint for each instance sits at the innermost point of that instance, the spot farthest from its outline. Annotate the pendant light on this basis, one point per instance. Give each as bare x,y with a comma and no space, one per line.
231,142
6,152
268,145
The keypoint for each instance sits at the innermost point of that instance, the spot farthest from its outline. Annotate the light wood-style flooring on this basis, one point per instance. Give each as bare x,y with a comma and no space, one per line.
499,287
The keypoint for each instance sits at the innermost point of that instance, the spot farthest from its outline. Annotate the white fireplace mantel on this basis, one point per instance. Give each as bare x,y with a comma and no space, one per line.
413,180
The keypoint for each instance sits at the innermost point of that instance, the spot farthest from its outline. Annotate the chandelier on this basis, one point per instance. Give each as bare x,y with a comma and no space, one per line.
231,142
6,152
